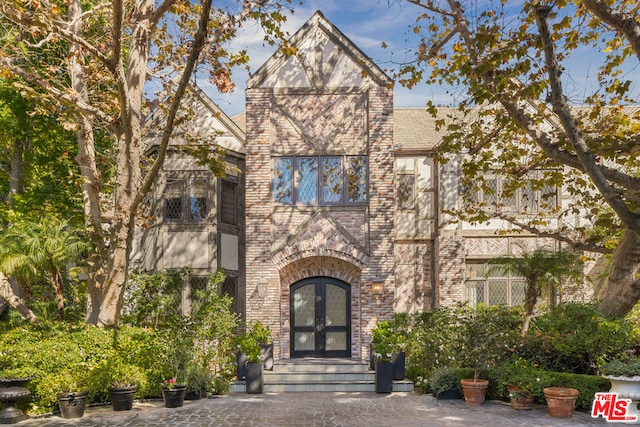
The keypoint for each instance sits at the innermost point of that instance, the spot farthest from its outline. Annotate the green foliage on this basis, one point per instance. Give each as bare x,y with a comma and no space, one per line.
442,379
40,249
576,338
627,367
486,336
390,336
249,342
520,373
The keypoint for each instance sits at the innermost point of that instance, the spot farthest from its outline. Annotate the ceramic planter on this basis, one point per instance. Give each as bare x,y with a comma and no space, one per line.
561,401
12,391
474,391
72,404
384,377
626,387
520,403
241,365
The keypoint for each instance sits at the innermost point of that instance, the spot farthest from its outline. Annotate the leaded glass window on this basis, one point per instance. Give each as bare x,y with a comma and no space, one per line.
307,180
406,191
332,179
186,200
281,184
492,285
357,179
320,180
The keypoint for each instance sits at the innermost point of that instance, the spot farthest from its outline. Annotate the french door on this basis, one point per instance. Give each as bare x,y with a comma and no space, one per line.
320,318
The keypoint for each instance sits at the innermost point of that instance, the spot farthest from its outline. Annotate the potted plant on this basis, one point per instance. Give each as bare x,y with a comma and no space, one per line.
522,381
123,380
71,395
478,339
396,334
384,368
173,393
260,334
624,375
249,346
443,383
199,379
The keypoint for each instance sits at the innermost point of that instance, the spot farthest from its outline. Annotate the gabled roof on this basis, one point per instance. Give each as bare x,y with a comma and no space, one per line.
208,123
320,48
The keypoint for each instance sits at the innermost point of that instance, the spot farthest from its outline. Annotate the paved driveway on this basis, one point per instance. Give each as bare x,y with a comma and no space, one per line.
320,409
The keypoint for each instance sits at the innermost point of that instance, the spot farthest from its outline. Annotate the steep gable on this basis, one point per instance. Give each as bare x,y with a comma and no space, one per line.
324,58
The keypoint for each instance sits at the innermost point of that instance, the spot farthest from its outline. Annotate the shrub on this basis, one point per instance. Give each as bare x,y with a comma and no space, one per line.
575,338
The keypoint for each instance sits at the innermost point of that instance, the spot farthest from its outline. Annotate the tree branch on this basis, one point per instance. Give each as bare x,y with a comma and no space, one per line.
196,48
562,110
67,97
625,23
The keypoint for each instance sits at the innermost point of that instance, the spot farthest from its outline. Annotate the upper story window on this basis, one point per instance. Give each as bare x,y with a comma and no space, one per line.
186,200
228,202
533,197
320,180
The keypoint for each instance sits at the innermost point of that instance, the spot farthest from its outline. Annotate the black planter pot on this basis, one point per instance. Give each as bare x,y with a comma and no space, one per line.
384,377
72,404
196,395
241,365
452,393
372,360
174,397
122,397
267,356
399,363
254,377
12,391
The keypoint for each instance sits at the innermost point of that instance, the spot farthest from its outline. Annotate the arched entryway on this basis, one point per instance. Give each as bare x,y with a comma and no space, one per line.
320,318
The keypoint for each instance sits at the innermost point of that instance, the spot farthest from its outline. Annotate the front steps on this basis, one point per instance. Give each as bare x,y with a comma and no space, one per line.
319,375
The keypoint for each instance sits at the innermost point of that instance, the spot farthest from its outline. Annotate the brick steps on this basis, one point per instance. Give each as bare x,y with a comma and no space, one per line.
320,375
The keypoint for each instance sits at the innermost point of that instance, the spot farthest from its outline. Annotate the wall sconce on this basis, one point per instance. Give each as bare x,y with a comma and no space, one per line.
262,289
376,286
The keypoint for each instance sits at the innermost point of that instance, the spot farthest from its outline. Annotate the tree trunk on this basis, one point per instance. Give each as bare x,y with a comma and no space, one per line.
17,162
7,293
90,176
622,289
56,280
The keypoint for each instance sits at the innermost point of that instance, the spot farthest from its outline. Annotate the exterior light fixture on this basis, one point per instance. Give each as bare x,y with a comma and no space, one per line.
377,285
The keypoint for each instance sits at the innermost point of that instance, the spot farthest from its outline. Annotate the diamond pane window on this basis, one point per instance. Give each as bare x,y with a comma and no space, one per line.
307,182
357,179
406,191
497,292
173,197
490,191
492,284
332,179
281,184
320,180
228,202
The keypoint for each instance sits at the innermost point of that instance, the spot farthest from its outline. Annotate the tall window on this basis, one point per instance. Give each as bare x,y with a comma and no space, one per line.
228,202
186,200
492,285
320,180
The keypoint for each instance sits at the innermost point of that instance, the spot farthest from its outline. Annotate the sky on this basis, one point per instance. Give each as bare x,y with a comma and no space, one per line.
369,23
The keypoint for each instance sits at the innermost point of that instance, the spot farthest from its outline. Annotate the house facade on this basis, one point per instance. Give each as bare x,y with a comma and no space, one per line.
338,206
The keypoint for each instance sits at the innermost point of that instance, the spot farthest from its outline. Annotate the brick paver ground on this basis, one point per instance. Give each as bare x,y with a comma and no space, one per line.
319,409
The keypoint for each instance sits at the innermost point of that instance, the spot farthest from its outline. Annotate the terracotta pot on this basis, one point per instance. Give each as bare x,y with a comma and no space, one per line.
474,391
561,401
521,403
